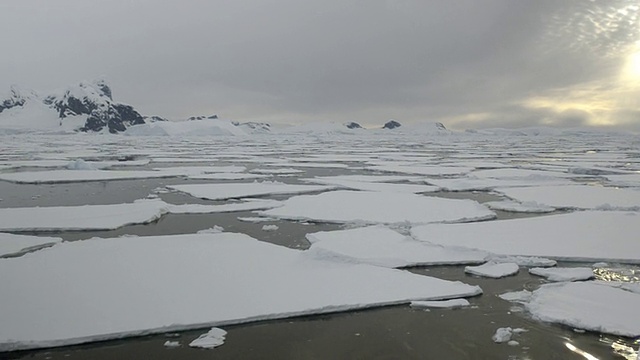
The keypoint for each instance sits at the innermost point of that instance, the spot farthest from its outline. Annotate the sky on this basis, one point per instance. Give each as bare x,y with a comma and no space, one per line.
465,63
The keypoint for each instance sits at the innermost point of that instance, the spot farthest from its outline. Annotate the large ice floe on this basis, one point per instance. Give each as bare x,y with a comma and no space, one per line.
11,244
241,190
577,196
70,175
85,217
379,207
584,235
585,305
379,245
112,288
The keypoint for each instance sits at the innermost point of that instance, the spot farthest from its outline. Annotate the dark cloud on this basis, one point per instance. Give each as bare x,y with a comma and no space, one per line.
340,60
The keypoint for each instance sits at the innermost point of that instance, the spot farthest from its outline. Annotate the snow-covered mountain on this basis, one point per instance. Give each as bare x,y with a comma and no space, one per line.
88,106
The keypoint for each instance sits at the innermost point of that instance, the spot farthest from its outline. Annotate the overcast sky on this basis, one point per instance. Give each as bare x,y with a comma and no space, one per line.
466,63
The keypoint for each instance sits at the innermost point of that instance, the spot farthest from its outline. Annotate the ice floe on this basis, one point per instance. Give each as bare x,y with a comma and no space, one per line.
564,274
11,244
85,217
248,205
504,334
378,207
376,186
379,245
577,196
213,338
241,190
584,235
587,305
493,270
228,176
514,206
452,304
417,169
142,285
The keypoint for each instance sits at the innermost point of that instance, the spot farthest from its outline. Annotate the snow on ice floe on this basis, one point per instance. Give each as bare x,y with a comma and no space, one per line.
228,176
564,274
379,245
247,205
378,207
584,235
628,180
85,217
69,176
527,261
183,281
576,196
11,244
587,305
418,169
240,190
283,171
514,206
471,183
374,185
213,338
451,304
493,270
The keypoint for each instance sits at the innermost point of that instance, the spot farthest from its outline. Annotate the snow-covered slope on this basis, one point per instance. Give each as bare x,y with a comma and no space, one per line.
88,106
206,127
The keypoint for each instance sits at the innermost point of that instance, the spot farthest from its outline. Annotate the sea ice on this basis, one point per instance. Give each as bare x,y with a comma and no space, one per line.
493,270
564,274
240,190
11,244
379,207
514,206
85,217
417,169
172,344
69,176
270,227
379,245
375,186
587,305
584,235
577,196
141,285
453,303
471,183
214,338
227,176
502,335
248,205
524,260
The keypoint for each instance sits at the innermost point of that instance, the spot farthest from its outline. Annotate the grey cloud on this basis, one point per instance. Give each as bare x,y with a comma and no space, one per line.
340,60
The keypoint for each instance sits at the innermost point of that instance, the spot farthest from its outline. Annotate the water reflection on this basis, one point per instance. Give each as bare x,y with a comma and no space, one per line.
584,354
622,274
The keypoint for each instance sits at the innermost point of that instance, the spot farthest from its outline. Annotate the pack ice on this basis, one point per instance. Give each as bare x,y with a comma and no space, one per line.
141,285
583,235
378,207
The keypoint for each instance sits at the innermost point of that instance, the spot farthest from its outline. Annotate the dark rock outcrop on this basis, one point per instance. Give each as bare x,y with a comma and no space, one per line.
391,124
95,100
353,125
17,97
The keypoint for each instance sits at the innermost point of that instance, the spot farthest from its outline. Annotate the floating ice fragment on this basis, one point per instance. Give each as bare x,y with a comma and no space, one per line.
214,338
502,335
453,303
172,344
493,270
270,227
564,274
379,207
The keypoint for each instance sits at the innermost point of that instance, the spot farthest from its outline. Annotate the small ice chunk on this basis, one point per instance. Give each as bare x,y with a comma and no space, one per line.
493,270
502,335
513,343
216,229
525,260
523,207
80,164
270,227
600,265
256,219
172,344
453,303
210,340
564,274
